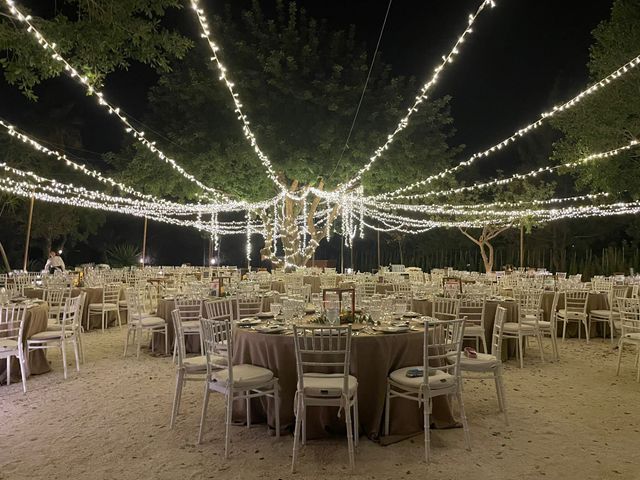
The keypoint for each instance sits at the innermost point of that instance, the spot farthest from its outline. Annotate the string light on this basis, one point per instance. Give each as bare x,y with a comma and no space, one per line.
624,69
517,176
222,70
404,122
111,108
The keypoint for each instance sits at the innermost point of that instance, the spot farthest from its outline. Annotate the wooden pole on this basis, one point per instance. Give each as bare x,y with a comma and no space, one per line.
522,245
26,244
378,249
144,242
352,242
341,254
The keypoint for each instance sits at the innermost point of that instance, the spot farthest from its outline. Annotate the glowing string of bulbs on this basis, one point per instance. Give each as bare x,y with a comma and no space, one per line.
627,67
246,129
422,96
112,109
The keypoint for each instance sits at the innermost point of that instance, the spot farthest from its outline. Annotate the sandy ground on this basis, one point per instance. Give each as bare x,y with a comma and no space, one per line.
572,419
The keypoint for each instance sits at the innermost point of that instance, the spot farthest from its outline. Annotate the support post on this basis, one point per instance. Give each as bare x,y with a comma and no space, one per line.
144,243
26,243
522,245
379,264
342,254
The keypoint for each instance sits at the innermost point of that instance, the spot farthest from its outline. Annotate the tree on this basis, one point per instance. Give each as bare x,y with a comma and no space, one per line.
99,36
611,117
299,83
519,191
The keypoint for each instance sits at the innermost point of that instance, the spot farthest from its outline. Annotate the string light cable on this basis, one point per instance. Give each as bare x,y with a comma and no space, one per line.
606,81
223,77
517,176
51,48
422,96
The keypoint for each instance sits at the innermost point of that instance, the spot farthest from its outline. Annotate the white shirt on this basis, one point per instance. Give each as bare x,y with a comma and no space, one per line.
55,262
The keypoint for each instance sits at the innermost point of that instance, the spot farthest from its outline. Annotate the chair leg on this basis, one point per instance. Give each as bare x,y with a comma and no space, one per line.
539,337
356,421
166,341
426,405
276,400
387,409
554,345
176,399
119,319
465,424
227,430
586,329
564,328
64,359
8,370
484,344
620,344
502,394
347,419
205,403
138,341
23,373
75,353
297,431
248,406
520,355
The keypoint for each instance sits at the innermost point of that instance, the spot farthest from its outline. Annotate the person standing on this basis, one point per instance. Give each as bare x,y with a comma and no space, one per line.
54,263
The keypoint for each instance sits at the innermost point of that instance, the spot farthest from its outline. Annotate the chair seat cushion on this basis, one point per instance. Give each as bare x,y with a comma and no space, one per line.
245,375
633,336
482,363
513,327
191,325
473,331
328,385
562,313
49,335
8,344
438,380
153,322
196,364
122,303
541,323
102,306
604,313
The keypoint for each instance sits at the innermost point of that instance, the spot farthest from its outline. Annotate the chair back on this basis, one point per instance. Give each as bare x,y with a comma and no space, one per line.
179,334
247,306
445,308
496,337
111,293
218,341
441,348
617,291
575,301
529,302
323,350
473,308
12,318
629,317
190,308
69,319
220,309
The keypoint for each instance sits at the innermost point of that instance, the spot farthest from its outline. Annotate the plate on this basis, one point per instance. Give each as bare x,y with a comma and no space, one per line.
265,315
270,329
391,329
248,322
411,314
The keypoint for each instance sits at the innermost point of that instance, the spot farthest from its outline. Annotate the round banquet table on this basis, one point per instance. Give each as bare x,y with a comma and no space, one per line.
373,358
192,342
36,321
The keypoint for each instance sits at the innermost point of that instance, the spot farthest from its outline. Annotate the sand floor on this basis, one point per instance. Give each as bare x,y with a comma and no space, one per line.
572,419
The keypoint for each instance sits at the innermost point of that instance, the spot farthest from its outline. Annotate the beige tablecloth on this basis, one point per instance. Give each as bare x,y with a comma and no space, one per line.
35,321
192,342
373,357
94,295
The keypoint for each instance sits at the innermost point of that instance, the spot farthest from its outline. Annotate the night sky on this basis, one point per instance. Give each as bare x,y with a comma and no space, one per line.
523,57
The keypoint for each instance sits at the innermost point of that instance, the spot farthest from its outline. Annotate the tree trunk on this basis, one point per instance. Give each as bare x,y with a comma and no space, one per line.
5,260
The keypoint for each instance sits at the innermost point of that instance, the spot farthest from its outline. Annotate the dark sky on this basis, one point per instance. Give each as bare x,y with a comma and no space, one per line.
523,57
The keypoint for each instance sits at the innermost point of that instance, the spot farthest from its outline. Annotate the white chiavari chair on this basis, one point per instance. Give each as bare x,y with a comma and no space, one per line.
12,318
